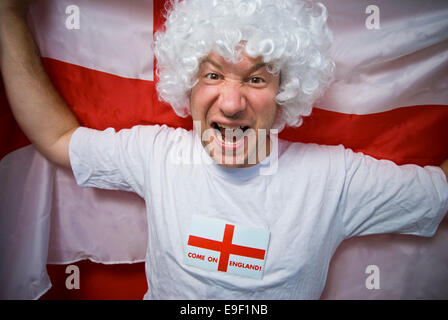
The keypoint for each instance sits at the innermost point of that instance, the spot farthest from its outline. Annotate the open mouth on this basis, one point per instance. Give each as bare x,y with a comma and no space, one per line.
229,134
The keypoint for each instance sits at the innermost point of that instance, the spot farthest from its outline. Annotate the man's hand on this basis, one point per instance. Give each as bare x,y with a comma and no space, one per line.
14,6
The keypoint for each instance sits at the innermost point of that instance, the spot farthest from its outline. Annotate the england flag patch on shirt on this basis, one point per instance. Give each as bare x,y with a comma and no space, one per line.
216,245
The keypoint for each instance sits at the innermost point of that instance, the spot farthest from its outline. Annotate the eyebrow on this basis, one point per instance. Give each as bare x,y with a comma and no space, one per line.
218,66
212,62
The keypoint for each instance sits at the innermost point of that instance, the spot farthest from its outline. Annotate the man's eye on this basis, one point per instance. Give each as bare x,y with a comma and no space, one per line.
256,80
212,76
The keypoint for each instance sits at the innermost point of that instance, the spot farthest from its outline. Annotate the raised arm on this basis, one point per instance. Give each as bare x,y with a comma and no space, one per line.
40,111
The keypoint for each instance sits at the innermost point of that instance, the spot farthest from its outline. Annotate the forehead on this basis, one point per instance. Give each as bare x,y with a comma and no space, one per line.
244,63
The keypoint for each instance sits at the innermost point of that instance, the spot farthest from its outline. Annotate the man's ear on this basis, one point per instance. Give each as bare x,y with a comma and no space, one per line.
278,122
279,111
188,106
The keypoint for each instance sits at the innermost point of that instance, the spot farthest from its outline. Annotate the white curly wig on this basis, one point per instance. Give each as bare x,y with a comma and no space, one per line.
291,35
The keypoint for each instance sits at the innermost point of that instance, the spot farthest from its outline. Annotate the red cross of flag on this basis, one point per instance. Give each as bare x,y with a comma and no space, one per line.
216,245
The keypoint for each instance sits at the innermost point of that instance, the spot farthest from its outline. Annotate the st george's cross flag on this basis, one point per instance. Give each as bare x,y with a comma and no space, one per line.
389,100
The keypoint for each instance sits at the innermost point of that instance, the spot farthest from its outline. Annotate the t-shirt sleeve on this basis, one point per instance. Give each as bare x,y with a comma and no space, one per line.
113,160
381,197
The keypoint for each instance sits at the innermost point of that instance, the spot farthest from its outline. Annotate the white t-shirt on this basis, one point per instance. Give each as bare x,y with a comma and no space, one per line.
318,196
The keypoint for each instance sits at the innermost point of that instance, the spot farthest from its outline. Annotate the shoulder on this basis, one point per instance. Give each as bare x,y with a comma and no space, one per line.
141,137
312,160
145,133
311,151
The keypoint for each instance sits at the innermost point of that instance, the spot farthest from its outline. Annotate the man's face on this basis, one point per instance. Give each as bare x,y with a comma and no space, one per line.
232,103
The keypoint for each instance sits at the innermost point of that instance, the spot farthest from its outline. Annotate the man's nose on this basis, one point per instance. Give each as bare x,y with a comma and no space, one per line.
232,100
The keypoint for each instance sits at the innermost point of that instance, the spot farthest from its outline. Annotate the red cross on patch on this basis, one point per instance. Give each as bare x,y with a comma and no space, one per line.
219,246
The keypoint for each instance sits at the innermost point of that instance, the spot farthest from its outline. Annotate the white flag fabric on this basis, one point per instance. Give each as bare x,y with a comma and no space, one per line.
404,63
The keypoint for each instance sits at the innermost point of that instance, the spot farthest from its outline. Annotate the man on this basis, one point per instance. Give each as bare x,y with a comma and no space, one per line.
242,69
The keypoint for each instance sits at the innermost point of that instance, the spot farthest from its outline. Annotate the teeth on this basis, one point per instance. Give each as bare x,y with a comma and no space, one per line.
229,127
220,133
